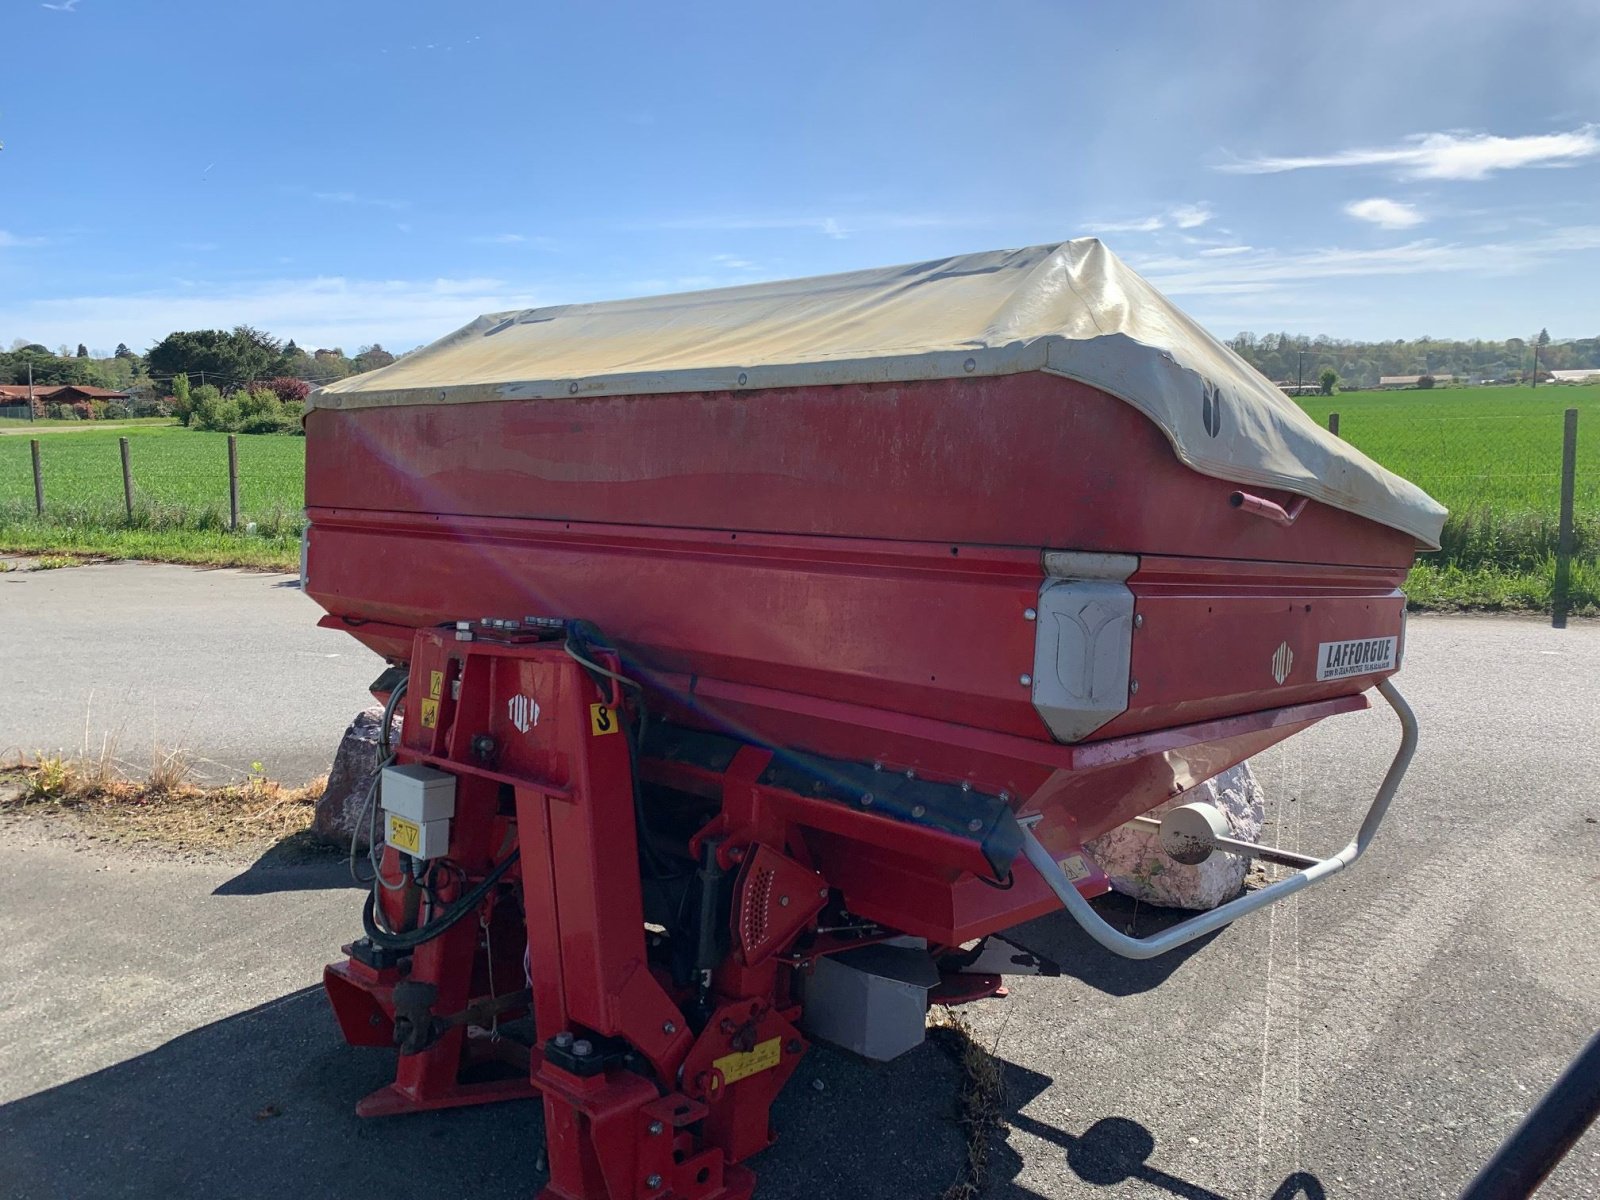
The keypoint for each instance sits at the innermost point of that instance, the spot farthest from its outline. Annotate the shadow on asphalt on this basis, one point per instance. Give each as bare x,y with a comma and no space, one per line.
298,863
1059,938
260,1106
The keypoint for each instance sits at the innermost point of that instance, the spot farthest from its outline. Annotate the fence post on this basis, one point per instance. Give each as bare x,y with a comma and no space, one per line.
1333,424
38,480
1564,540
233,483
127,478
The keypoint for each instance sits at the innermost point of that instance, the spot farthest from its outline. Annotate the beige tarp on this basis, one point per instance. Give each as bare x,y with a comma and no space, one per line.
1072,309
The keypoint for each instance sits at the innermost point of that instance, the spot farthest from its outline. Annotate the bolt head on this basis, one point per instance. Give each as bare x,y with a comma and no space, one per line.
1025,680
866,799
970,365
582,1048
562,1039
919,810
1138,620
974,825
822,893
668,1027
783,902
655,1128
1133,687
652,1182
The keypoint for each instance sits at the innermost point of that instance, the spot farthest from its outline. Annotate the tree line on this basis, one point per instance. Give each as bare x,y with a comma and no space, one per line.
1291,358
231,360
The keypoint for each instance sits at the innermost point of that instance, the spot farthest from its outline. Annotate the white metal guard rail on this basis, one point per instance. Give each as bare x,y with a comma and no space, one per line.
1149,947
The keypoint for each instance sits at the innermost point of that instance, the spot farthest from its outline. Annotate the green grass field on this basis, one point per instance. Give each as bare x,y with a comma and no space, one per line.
1491,455
180,495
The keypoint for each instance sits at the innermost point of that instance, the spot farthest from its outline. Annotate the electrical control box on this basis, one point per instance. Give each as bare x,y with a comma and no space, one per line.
418,804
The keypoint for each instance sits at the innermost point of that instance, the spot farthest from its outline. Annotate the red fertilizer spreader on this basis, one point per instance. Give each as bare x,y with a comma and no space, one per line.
762,651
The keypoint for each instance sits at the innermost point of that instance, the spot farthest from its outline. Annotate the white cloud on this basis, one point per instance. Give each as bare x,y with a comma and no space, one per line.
1387,214
1224,251
1261,270
1180,216
835,227
12,239
361,201
1446,155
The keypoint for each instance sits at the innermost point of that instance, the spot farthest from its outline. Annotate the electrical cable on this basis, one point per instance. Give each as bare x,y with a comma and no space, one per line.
411,939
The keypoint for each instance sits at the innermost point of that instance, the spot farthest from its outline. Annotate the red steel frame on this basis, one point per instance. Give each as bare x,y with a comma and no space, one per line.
669,1120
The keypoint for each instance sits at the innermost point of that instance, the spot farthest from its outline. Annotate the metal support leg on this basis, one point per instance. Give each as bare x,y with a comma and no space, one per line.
1130,947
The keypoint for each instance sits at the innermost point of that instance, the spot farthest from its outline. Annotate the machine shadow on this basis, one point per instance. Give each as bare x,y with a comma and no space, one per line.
260,1105
1116,1150
1058,937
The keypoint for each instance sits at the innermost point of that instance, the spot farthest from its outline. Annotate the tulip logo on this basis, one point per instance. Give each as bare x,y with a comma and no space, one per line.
1282,662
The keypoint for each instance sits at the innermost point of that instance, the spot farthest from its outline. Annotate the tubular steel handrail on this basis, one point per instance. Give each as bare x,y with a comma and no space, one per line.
1149,947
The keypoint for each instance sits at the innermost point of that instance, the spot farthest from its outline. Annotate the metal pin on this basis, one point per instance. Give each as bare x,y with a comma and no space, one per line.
1133,687
1138,620
783,902
1029,614
1025,680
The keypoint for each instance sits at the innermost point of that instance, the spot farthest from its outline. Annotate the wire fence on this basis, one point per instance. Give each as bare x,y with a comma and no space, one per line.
164,479
1523,490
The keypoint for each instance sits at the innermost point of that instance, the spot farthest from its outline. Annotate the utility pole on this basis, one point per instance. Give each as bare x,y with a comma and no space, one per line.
1300,375
31,417
1536,360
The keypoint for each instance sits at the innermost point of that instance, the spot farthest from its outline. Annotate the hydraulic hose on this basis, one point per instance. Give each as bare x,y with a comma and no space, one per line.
466,903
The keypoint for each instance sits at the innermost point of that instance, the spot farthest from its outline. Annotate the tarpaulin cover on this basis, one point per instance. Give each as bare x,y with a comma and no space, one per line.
1072,309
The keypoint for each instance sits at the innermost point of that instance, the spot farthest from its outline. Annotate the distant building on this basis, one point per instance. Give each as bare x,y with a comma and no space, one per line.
1581,375
58,393
1289,388
1405,381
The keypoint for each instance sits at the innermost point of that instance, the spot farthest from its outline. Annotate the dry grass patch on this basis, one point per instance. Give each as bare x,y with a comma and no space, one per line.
980,1100
166,807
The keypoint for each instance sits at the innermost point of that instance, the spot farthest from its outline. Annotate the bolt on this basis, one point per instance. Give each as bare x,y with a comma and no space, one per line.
652,1182
970,365
463,624
1025,680
743,379
823,893
668,1027
919,810
572,388
866,799
562,1039
876,765
582,1048
1029,614
966,785
974,825
1138,621
655,1128
1005,797
1133,687
783,902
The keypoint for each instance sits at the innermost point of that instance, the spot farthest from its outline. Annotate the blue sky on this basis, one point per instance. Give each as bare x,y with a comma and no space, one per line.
350,172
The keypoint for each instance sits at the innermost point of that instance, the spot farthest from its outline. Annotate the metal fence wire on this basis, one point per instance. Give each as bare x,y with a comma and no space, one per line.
1523,490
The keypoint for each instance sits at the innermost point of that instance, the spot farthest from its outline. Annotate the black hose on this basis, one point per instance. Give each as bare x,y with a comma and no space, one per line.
413,938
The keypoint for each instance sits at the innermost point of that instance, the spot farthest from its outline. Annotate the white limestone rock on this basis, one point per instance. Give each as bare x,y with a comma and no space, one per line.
1132,857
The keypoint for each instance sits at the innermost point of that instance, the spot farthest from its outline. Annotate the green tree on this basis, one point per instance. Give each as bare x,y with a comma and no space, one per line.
1328,379
1425,382
231,359
83,351
124,352
370,358
182,401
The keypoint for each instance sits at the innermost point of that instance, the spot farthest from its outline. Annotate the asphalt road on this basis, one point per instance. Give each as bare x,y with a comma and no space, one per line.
228,666
160,1031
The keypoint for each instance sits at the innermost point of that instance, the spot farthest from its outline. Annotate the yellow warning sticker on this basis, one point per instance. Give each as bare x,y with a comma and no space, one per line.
404,835
735,1067
436,684
430,714
602,719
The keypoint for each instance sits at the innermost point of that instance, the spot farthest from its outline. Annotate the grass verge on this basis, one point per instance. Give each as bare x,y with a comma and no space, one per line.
165,808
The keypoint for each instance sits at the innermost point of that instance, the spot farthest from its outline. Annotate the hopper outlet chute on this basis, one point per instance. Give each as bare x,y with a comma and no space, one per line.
1084,642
